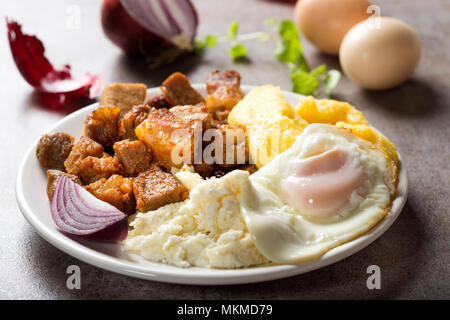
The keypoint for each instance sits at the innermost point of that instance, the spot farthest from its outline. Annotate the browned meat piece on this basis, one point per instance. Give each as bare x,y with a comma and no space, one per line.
53,149
162,164
131,218
178,91
235,148
221,115
132,119
92,169
165,134
158,101
204,169
223,90
133,156
156,188
101,125
52,179
251,168
117,191
84,148
123,95
191,114
220,172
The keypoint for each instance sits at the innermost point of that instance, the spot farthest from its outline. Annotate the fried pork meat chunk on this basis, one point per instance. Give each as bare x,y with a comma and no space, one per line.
170,133
158,101
178,91
204,169
53,149
170,138
84,148
132,119
156,188
234,149
133,156
117,191
101,125
191,114
223,90
52,179
123,95
220,116
92,169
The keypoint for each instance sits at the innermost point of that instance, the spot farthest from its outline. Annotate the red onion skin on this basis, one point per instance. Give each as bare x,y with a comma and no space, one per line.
49,81
126,33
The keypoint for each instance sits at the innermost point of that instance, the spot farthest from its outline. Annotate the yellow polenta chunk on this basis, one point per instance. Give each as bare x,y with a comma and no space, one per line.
270,122
328,111
267,139
261,103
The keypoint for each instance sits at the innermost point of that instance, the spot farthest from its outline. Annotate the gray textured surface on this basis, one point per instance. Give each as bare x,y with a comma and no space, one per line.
413,254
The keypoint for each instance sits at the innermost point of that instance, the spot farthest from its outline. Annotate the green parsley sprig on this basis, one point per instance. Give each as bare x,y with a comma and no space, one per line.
289,51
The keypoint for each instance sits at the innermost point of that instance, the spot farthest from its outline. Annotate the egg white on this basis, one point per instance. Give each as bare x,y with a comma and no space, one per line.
284,234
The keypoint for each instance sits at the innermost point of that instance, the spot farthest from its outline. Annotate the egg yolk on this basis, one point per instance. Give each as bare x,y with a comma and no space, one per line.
320,185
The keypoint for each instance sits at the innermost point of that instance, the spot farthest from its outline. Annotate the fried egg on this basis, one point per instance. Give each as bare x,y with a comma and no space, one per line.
327,189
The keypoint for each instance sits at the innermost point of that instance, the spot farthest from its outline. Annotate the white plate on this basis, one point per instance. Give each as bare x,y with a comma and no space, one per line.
33,202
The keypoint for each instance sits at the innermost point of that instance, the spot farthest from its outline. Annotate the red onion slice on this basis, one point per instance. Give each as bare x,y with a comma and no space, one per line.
77,212
173,20
55,84
74,219
78,220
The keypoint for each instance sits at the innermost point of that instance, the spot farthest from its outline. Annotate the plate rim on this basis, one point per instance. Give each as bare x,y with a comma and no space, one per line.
197,275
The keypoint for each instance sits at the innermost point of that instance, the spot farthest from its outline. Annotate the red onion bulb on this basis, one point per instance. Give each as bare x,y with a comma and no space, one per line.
76,211
158,29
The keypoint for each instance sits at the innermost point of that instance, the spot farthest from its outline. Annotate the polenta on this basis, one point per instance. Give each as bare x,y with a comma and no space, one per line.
273,125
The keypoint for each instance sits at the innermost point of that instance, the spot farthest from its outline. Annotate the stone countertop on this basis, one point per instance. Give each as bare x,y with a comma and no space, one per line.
413,254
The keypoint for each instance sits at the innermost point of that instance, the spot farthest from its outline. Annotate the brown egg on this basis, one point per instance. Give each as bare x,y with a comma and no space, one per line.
380,53
325,22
